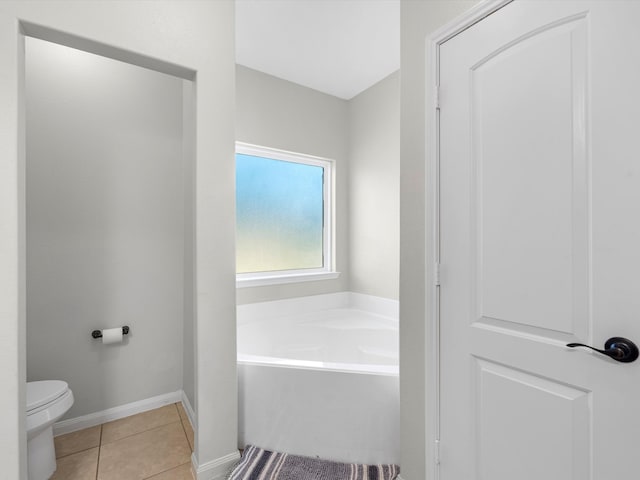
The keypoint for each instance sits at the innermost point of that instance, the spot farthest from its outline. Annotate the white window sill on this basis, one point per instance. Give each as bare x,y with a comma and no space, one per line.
259,281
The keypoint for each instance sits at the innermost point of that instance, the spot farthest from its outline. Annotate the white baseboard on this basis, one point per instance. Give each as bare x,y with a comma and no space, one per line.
189,409
217,469
115,413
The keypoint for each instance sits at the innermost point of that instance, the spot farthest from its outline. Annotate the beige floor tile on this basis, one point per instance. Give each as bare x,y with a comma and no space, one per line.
78,466
144,454
182,412
141,422
77,441
183,472
189,431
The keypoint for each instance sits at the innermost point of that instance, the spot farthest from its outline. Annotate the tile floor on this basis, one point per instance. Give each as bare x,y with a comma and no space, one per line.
154,445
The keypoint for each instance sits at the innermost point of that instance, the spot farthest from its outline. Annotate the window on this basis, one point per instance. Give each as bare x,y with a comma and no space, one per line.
283,217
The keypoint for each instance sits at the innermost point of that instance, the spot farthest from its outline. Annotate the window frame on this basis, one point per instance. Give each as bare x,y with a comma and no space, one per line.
327,271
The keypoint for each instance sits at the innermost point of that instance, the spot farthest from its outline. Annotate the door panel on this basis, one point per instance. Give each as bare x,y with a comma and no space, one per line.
540,236
530,195
506,429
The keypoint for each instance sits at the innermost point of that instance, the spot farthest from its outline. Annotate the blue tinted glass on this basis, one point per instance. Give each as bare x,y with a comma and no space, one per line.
279,215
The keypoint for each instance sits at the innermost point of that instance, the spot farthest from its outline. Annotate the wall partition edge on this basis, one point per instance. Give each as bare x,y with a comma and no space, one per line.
432,223
12,256
217,469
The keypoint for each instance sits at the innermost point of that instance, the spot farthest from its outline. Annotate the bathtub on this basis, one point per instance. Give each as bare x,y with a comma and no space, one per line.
318,376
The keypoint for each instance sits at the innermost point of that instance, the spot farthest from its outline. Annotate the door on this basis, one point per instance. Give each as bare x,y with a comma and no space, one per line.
540,243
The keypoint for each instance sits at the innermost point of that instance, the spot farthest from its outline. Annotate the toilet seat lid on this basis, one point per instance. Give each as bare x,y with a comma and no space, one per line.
43,392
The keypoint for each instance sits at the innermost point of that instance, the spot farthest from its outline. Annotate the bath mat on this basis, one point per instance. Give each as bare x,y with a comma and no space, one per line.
259,464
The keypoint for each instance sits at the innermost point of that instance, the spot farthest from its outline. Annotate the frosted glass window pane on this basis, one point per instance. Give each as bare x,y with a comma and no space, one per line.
279,216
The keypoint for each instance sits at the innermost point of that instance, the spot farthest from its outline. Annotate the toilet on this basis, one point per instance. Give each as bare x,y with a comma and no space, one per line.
47,402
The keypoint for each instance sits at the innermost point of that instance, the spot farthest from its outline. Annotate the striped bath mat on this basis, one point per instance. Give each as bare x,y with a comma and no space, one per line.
259,464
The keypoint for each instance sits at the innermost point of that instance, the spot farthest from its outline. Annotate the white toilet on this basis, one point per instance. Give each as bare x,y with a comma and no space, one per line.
47,402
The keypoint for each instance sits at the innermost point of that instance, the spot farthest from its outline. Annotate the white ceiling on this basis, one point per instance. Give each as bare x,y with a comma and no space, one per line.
340,47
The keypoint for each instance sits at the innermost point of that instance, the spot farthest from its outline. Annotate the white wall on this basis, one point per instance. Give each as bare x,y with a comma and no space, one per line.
104,225
418,21
274,113
192,39
374,196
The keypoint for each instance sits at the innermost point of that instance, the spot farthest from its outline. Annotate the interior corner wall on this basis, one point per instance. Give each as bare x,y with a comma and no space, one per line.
275,113
417,21
374,189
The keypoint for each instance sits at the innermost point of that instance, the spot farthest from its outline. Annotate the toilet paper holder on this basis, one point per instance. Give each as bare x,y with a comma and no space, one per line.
98,333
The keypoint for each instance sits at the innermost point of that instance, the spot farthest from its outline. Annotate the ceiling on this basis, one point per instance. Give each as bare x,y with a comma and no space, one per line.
339,47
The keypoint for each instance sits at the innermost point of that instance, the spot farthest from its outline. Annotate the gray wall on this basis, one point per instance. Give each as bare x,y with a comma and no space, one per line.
374,196
105,226
362,136
418,20
274,113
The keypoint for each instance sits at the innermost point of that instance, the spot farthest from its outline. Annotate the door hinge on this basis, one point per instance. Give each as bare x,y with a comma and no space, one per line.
436,274
437,97
436,451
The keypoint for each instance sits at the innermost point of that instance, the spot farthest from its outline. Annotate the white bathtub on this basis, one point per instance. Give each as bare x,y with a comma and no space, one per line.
319,376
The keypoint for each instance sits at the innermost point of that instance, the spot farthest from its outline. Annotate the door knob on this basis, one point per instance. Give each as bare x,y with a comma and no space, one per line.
618,348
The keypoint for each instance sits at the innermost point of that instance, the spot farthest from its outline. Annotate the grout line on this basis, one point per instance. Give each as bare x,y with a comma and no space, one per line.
154,428
185,412
186,436
79,451
146,429
165,471
182,421
84,449
143,431
99,452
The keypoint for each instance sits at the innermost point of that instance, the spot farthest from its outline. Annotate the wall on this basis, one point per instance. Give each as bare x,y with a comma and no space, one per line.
104,225
188,177
374,197
192,39
418,21
362,135
274,113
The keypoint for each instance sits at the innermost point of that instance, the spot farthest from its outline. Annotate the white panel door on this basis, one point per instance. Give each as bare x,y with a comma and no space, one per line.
540,243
